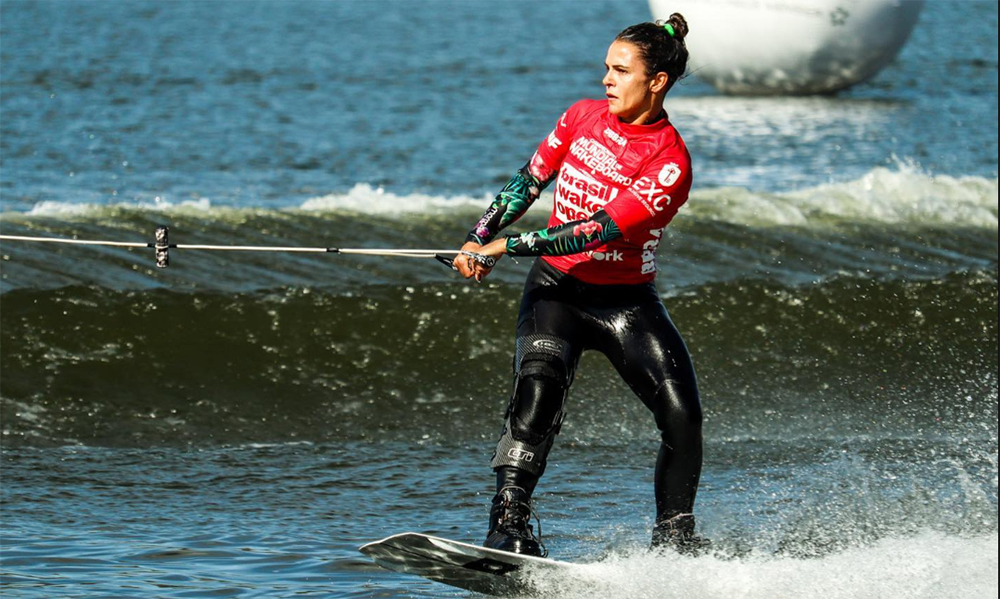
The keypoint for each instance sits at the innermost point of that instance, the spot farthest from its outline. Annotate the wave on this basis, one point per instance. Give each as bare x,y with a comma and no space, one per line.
93,365
883,196
50,208
905,195
890,223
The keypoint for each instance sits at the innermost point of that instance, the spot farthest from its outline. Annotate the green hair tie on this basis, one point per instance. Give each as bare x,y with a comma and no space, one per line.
669,28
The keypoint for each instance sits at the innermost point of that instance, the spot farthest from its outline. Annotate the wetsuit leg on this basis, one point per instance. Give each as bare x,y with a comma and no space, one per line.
652,358
547,352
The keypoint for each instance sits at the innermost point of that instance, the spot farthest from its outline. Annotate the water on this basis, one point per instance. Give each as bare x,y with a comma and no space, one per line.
237,425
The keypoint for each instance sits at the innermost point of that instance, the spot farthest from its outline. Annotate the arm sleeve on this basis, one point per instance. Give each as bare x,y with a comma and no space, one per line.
512,202
527,184
567,238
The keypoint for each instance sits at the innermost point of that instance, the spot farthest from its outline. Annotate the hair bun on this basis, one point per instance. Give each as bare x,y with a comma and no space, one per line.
680,25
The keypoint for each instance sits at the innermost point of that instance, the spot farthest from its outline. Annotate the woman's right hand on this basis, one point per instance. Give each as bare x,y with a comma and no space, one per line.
468,267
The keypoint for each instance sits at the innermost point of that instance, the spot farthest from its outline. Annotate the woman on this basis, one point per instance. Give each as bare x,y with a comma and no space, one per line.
623,171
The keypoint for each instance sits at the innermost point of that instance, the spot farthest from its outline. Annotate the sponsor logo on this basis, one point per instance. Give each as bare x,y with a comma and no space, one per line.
669,174
520,454
553,141
651,195
607,256
547,345
614,136
599,159
649,251
482,228
578,195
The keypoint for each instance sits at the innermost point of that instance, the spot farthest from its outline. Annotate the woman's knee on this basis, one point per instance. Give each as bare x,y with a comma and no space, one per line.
677,409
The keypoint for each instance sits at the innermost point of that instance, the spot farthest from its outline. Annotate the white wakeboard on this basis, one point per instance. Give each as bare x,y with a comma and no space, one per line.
460,564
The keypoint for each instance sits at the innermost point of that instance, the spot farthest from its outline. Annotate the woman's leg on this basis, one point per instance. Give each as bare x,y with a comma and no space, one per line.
652,358
546,355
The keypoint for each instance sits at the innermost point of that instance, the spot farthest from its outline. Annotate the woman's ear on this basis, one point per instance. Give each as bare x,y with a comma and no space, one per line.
659,82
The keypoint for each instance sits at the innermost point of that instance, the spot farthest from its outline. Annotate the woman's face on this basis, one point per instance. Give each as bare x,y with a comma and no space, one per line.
626,85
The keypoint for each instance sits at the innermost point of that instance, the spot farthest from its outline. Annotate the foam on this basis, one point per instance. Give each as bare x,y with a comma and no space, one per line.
376,200
904,195
931,565
67,209
901,196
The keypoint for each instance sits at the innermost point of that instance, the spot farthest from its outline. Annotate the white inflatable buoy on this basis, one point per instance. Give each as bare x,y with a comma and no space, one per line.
772,47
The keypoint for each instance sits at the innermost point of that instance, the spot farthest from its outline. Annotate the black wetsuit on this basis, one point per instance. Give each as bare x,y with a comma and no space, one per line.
629,325
618,185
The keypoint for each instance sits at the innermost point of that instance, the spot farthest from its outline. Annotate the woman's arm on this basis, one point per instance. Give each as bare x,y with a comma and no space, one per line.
510,204
561,240
567,238
522,190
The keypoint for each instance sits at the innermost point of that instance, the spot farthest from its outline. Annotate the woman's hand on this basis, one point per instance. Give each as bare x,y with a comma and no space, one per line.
469,267
465,265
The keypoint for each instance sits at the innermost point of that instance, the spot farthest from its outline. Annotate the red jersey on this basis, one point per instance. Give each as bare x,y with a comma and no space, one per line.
639,174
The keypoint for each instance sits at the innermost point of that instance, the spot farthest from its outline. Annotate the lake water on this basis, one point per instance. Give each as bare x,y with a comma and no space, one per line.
237,425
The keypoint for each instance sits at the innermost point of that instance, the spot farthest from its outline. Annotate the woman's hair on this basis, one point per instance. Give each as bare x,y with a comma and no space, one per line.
661,46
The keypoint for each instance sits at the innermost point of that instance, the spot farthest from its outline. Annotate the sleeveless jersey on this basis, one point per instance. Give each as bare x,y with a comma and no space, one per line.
639,174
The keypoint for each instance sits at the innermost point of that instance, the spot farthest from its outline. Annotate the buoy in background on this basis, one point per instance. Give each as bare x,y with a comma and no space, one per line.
791,47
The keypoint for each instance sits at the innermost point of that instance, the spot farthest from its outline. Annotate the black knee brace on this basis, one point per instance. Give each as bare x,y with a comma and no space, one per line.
542,375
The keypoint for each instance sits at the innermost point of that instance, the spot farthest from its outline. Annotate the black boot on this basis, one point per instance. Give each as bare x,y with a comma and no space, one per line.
677,533
510,527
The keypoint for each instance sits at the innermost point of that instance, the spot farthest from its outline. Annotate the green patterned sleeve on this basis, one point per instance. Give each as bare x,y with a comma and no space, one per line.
512,202
567,238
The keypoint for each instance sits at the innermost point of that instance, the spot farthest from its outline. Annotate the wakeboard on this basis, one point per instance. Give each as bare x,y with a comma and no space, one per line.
460,564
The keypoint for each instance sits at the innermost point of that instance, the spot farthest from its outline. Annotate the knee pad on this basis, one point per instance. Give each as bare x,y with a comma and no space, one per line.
543,348
542,374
